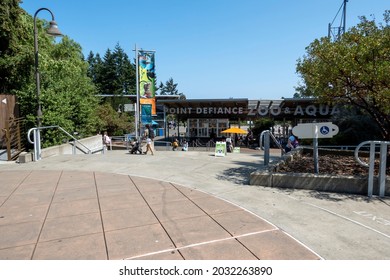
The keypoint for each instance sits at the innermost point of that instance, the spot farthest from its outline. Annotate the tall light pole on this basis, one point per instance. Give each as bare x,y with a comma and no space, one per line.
137,106
53,31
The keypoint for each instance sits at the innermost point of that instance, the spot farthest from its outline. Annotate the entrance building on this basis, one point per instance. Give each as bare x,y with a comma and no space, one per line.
210,128
205,118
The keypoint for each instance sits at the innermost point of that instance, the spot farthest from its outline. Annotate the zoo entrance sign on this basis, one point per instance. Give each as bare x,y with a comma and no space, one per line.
298,111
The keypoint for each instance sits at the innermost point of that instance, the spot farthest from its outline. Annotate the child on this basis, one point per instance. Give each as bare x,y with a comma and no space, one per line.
292,143
185,146
175,144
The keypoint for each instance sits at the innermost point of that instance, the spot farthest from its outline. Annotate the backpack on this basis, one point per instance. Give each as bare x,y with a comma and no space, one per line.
151,133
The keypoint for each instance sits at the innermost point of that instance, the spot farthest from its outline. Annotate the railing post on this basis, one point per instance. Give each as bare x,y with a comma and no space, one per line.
266,136
382,169
8,139
74,147
37,148
371,169
19,136
315,154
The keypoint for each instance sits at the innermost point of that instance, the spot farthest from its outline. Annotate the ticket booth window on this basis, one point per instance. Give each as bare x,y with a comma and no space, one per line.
192,128
223,124
205,128
213,124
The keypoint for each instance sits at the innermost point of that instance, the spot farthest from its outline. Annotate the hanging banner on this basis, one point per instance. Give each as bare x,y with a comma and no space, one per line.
147,79
146,114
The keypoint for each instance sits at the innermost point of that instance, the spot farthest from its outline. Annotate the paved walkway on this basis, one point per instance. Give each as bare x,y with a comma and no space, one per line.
176,205
48,214
95,215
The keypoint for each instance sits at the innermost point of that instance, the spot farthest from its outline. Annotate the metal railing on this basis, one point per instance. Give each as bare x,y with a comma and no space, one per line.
37,149
197,144
264,143
162,145
338,147
371,164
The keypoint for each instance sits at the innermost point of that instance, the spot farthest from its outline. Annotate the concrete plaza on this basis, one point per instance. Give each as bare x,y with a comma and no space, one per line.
178,205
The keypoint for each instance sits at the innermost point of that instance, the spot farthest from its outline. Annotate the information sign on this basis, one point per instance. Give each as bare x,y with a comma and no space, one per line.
315,130
220,149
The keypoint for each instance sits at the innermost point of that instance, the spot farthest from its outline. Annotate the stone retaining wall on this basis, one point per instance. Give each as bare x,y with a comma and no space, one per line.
93,143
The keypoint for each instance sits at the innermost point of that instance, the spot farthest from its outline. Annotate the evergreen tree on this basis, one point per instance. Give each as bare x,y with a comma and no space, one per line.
109,82
114,74
170,88
95,70
125,72
91,66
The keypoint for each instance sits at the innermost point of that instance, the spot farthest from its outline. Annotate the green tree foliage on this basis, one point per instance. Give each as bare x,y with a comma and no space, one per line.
67,94
355,127
260,125
95,68
170,88
112,122
352,70
16,46
113,75
125,72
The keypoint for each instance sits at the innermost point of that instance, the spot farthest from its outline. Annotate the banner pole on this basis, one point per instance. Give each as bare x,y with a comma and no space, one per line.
137,109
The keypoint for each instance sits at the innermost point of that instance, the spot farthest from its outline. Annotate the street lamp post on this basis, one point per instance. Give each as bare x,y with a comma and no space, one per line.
53,31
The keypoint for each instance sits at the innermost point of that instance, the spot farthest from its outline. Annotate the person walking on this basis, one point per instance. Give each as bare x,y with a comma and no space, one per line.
149,146
107,141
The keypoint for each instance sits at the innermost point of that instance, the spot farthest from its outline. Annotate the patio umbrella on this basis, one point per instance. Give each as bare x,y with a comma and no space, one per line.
235,130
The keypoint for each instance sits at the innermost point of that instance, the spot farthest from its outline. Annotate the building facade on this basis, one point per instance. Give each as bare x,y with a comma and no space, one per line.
205,118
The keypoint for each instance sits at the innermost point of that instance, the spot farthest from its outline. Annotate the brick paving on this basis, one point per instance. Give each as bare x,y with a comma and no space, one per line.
88,215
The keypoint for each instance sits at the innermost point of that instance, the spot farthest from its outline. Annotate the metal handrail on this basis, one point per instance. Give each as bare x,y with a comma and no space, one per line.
371,164
277,142
273,138
60,128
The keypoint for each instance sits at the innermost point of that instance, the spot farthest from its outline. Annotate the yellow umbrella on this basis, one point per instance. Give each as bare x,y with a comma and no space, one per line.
235,130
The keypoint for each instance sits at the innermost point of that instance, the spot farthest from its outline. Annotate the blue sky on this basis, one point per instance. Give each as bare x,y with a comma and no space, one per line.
212,48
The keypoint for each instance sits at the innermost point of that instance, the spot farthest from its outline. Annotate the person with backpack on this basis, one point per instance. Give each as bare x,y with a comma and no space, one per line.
148,136
150,131
149,146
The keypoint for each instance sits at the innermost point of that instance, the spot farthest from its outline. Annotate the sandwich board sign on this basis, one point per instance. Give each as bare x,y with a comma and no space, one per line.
315,130
220,149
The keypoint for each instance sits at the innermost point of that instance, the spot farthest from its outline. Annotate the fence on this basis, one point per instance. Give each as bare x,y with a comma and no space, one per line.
14,133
